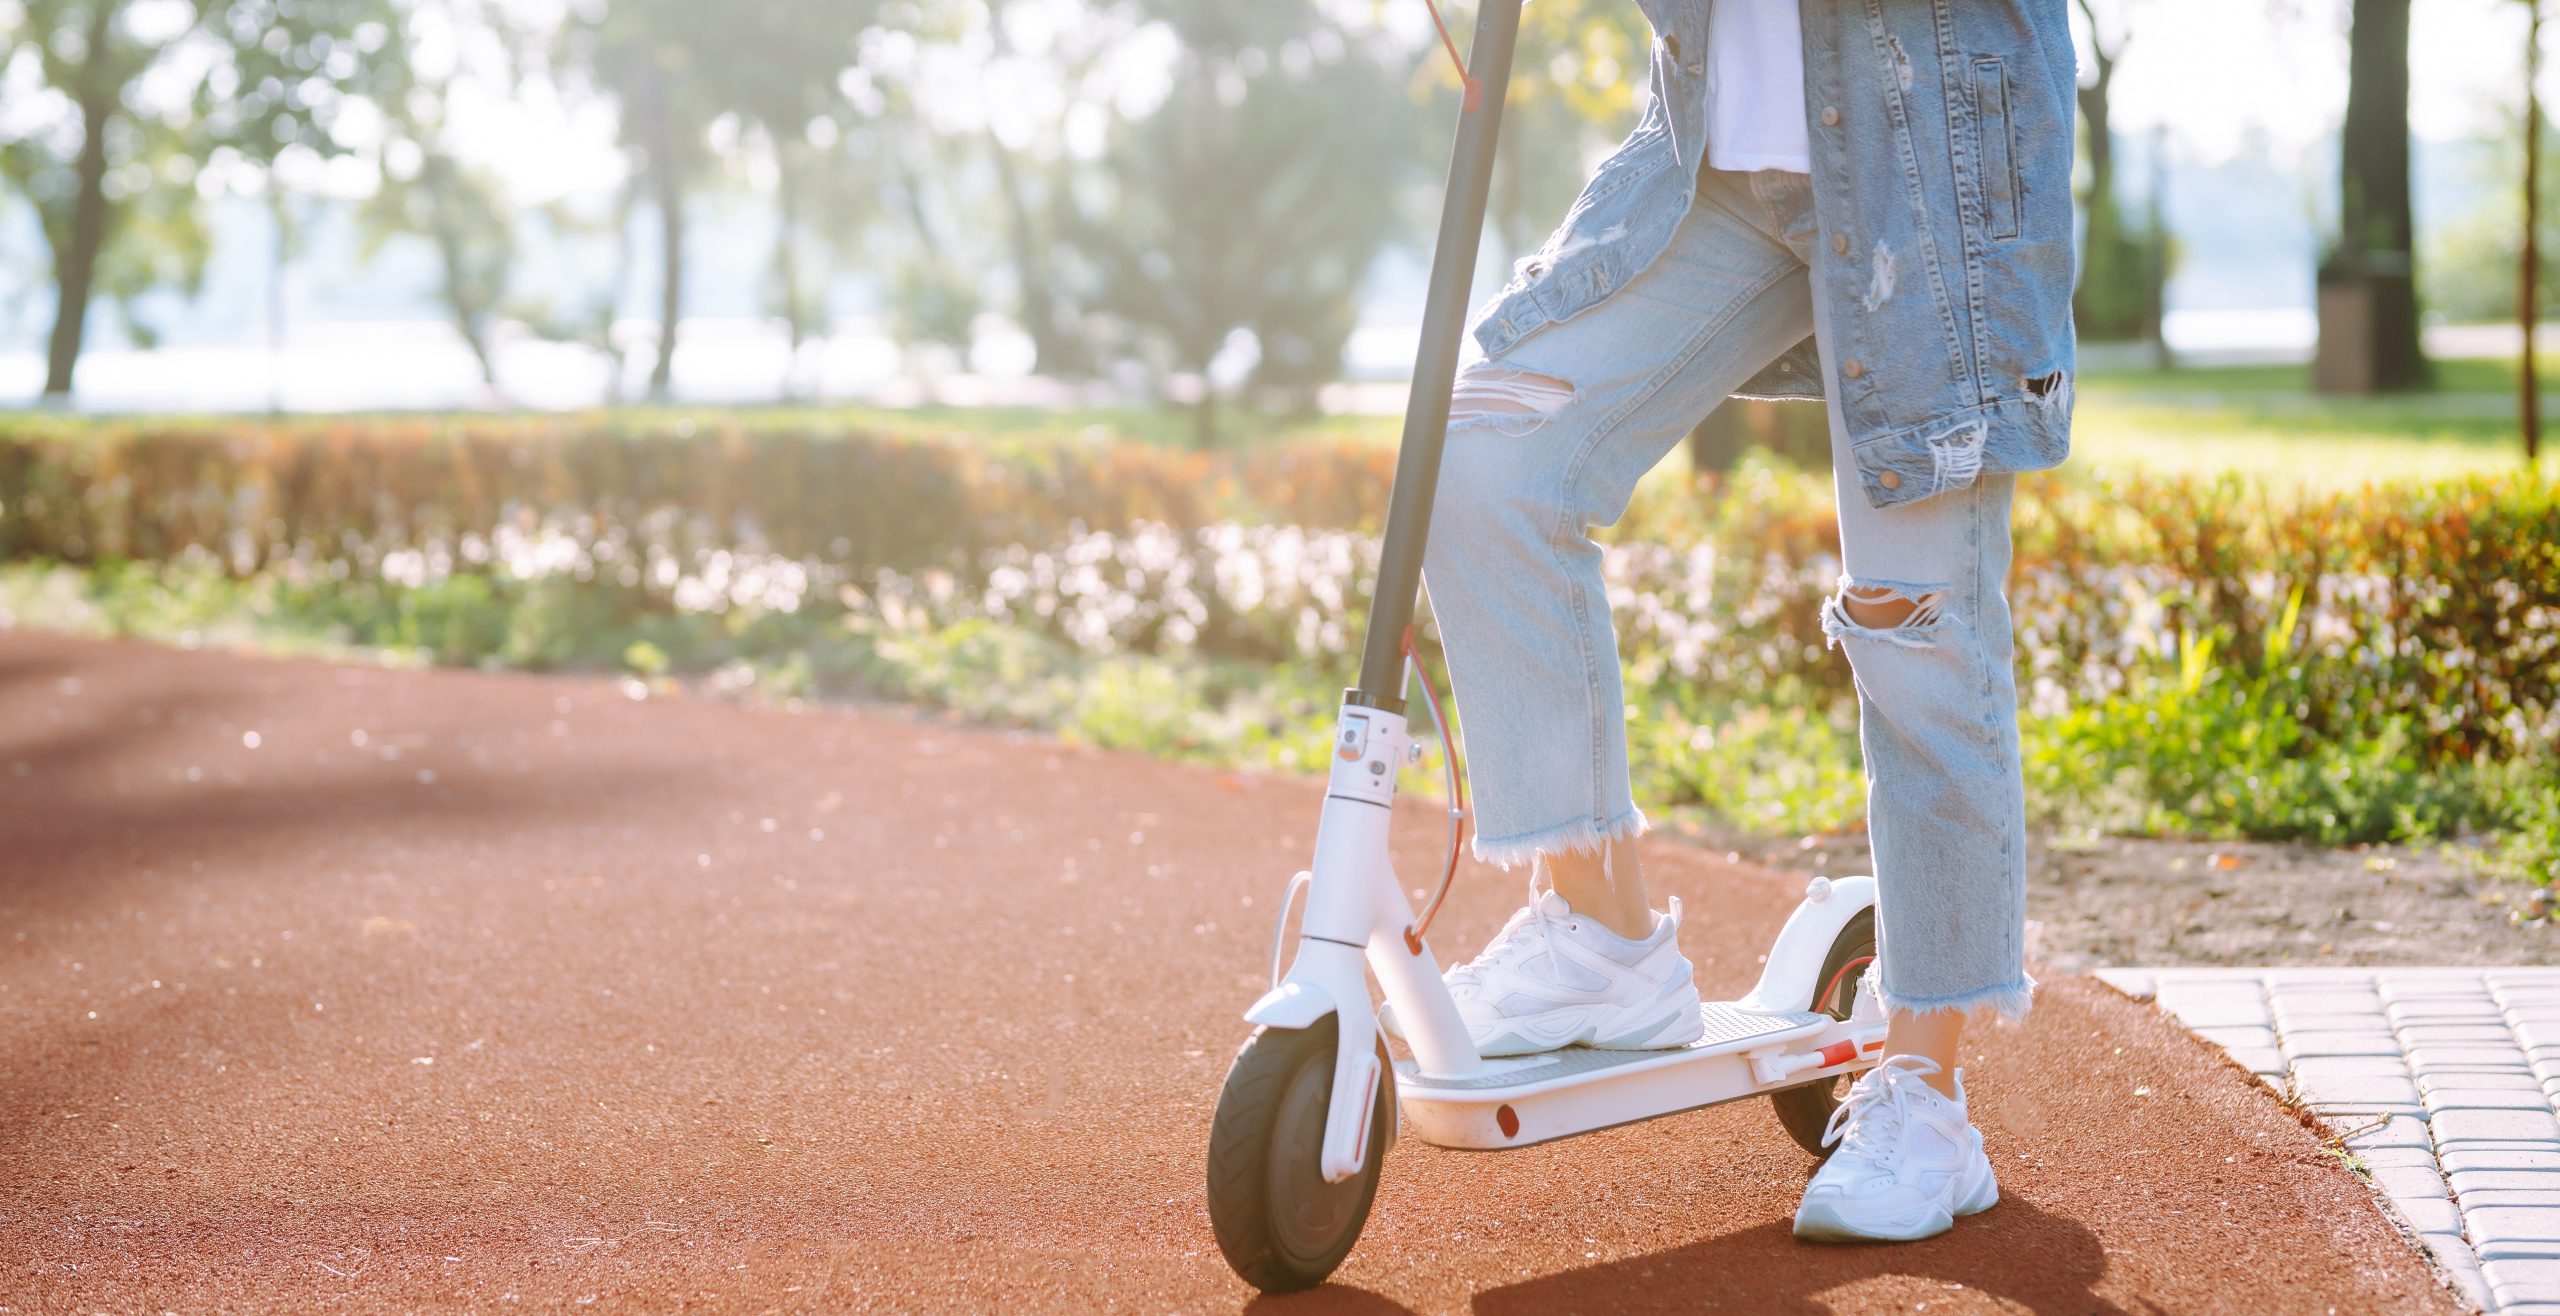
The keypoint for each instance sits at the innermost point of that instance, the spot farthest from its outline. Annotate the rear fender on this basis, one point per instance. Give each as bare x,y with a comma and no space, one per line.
1787,981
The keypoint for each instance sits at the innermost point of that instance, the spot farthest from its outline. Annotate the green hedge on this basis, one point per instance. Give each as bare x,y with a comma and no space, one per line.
2196,656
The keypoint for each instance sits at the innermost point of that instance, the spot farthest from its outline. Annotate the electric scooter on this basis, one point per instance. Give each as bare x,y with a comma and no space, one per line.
1312,1099
1311,1103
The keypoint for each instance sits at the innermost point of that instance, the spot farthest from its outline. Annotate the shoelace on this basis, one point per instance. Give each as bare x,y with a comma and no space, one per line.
1499,949
1873,1114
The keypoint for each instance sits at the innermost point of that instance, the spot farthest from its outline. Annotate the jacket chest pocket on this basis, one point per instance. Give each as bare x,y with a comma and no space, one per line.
1998,184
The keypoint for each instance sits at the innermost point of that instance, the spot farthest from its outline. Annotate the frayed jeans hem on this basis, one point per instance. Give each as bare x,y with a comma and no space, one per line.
2011,999
1581,834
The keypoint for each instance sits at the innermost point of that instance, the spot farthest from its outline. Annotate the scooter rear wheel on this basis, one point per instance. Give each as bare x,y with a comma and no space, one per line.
1806,1109
1281,1226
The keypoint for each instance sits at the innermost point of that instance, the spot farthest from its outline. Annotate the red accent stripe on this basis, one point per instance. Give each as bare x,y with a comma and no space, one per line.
1475,90
1839,1053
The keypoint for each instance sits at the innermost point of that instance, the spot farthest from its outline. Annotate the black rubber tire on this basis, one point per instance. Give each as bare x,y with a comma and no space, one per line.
1281,1226
1806,1109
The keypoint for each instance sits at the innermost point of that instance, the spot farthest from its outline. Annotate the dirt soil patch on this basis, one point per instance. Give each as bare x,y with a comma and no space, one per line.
2114,900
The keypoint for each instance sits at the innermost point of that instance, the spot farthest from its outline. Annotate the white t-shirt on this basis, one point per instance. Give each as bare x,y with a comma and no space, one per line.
1755,86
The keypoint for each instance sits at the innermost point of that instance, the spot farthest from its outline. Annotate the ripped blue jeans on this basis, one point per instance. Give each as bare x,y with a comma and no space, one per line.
1549,440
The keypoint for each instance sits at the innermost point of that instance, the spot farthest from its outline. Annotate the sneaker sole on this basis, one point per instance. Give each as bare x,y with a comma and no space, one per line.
1822,1222
1660,1025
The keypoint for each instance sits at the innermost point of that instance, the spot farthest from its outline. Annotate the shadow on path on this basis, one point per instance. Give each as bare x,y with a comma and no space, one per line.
2016,1252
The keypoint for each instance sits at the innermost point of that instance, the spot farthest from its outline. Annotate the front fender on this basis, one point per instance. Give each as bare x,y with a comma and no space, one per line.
1293,1004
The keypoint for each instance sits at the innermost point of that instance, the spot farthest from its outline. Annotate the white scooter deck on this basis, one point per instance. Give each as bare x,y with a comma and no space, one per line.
1524,1100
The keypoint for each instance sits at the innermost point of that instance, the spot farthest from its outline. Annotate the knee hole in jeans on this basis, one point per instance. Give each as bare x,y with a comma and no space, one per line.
1895,614
1506,400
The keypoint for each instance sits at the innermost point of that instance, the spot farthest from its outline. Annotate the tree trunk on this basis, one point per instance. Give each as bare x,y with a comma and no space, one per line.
786,264
2376,230
1054,352
75,265
1204,416
468,319
670,273
276,258
2528,315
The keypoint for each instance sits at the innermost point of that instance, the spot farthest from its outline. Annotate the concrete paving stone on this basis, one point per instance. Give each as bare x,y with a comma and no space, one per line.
2408,1181
2532,1249
2325,1013
2484,1059
2471,1098
2521,1280
2429,1214
2463,1034
2358,1114
2464,1269
2465,1181
2398,1131
2510,1081
2418,986
2240,1035
2514,1224
2327,1021
2342,999
2457,1126
2444,1009
2530,1308
2533,1033
2135,983
2394,1158
2310,1045
2263,1061
2374,1090
2218,1005
2458,1159
2359,1065
2548,1195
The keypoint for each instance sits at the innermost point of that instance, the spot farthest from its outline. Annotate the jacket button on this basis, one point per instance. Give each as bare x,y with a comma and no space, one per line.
1839,244
1830,116
1852,368
1890,479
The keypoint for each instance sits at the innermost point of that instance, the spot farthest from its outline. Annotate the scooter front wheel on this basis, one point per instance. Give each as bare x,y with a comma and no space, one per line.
1806,1109
1281,1226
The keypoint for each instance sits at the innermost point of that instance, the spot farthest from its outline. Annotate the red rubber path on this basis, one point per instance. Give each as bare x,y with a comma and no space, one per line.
512,993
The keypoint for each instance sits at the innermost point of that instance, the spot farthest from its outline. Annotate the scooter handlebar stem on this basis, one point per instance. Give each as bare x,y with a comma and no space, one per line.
1435,366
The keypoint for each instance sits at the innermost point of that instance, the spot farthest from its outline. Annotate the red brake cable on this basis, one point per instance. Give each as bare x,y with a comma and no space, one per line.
1457,793
1475,90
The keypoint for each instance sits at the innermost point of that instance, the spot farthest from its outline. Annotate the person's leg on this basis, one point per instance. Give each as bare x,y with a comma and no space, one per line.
1608,885
1921,613
1546,442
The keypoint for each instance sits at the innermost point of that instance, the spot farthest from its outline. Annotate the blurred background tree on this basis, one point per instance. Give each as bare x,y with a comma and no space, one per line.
1248,202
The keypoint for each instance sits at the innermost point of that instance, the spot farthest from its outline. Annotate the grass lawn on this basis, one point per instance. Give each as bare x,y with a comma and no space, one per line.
2261,421
2264,421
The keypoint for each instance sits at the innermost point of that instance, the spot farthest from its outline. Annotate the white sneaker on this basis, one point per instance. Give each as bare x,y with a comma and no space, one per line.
1553,978
1908,1162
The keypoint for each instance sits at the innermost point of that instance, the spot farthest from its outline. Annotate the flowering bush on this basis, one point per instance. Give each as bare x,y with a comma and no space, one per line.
2195,656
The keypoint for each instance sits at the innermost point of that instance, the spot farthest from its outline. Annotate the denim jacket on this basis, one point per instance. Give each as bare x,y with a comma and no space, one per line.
1941,136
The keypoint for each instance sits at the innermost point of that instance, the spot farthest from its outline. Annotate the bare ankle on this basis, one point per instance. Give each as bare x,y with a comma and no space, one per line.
1605,885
